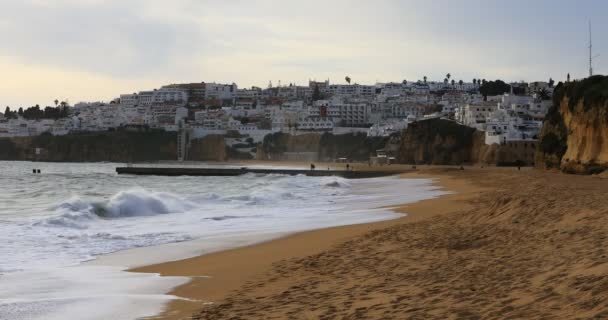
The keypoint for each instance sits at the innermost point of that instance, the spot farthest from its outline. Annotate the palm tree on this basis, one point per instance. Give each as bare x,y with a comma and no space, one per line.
448,76
460,82
453,82
474,81
424,78
445,81
56,102
543,94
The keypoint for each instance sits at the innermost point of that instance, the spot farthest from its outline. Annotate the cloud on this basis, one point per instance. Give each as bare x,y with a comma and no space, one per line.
116,38
127,45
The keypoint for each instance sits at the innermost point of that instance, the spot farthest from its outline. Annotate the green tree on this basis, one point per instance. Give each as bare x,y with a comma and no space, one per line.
551,82
493,88
424,79
448,76
453,82
460,82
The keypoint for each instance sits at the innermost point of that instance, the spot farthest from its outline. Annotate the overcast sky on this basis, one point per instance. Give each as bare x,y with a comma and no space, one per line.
89,50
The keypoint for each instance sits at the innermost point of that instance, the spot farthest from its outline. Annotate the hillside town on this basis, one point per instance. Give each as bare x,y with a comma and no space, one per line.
505,112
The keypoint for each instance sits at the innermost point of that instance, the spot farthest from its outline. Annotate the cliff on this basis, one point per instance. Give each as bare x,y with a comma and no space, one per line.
315,147
117,146
444,142
574,137
208,148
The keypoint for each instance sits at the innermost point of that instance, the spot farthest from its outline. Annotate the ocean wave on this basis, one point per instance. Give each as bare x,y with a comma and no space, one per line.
77,213
334,182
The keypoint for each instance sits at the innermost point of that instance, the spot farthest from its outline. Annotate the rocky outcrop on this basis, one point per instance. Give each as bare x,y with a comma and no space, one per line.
444,142
574,137
436,141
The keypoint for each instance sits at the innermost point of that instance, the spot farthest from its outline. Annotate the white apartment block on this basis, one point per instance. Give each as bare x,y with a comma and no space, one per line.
342,113
129,100
475,115
249,94
315,124
352,90
221,91
170,95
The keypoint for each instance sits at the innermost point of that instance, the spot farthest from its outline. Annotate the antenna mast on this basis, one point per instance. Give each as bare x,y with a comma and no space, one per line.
591,56
590,52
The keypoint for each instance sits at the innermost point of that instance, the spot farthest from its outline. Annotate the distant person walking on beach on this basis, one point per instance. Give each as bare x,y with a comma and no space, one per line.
312,166
347,167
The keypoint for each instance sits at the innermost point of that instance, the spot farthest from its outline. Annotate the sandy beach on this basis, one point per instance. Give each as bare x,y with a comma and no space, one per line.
507,244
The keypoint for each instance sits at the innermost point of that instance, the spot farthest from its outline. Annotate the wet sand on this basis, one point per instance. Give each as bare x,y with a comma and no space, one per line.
509,244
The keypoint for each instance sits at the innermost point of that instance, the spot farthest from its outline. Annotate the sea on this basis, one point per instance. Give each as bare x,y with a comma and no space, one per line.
69,233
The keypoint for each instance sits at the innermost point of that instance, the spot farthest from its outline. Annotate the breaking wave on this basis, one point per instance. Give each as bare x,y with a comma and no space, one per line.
77,213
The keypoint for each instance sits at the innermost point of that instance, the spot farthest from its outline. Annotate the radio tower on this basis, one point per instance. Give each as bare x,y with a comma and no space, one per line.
591,56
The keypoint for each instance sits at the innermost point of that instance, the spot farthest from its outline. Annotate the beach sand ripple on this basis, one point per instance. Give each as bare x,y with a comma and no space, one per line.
528,245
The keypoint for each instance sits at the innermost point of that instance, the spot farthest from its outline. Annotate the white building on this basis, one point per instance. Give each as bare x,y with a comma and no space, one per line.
170,95
129,100
315,124
475,115
221,91
146,98
249,94
352,90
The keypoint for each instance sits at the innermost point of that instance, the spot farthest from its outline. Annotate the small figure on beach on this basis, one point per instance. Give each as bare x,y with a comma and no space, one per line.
312,166
33,170
347,167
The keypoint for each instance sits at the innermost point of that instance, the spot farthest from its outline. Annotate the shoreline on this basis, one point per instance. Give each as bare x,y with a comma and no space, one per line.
214,275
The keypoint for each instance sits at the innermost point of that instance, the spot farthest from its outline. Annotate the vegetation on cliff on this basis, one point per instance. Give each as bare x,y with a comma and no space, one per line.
592,91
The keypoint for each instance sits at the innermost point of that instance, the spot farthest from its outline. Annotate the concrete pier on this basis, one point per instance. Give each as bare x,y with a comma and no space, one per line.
181,171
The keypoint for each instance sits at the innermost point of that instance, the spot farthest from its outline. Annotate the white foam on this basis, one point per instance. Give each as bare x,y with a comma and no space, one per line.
83,292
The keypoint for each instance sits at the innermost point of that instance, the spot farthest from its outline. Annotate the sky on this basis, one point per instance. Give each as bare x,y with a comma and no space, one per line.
94,50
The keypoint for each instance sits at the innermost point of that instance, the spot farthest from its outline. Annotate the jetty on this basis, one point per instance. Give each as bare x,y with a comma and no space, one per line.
224,172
